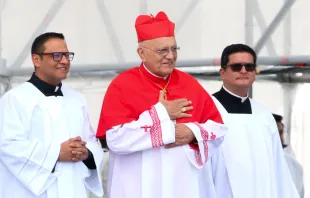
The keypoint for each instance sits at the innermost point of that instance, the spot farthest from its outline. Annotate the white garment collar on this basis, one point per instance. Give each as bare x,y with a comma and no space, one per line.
242,98
152,73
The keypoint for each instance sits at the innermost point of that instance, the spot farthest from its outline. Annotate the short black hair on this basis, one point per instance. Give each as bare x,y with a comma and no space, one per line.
235,48
38,44
277,117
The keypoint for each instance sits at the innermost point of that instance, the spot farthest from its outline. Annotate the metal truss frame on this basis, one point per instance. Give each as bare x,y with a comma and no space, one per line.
253,11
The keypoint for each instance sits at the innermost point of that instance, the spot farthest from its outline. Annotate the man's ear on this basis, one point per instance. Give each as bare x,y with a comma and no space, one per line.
36,60
222,72
142,54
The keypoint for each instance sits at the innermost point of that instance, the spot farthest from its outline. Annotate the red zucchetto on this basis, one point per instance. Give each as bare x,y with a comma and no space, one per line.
150,27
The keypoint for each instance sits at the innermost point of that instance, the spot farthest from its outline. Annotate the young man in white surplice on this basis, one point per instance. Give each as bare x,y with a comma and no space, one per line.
48,148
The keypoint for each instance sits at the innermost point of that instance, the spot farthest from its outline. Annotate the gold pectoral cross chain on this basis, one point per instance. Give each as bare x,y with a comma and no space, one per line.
163,89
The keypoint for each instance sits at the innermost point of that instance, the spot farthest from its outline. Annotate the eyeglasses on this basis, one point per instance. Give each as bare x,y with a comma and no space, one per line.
237,67
57,56
164,51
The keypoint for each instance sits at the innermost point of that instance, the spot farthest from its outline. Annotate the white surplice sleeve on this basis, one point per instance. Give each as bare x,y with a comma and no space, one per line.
153,129
284,181
93,182
30,161
220,176
214,180
296,171
209,136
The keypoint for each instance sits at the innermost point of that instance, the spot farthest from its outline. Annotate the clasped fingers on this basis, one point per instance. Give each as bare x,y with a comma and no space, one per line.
79,154
78,144
79,151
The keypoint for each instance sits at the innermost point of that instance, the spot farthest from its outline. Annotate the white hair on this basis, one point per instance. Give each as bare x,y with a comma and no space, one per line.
140,44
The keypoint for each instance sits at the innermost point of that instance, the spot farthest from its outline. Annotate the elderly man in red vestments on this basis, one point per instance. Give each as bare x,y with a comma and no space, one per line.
160,125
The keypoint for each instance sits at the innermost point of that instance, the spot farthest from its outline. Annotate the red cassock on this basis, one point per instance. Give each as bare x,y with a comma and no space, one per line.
136,90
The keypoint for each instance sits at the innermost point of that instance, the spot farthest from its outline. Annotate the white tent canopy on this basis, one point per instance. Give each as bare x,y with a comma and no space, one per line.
102,32
102,35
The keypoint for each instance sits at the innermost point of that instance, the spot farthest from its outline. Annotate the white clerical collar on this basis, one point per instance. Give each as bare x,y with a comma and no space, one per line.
242,98
152,73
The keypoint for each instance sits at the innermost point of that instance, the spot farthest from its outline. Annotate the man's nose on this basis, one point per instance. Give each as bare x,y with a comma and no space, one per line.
243,70
170,55
64,60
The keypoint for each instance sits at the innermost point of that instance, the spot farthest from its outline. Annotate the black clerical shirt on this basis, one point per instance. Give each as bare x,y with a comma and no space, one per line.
51,90
233,104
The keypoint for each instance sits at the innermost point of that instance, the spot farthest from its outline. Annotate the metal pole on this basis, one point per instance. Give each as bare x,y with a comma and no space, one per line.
249,30
249,22
50,15
4,85
143,6
116,45
263,60
189,9
287,33
273,25
4,81
288,100
289,90
263,26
